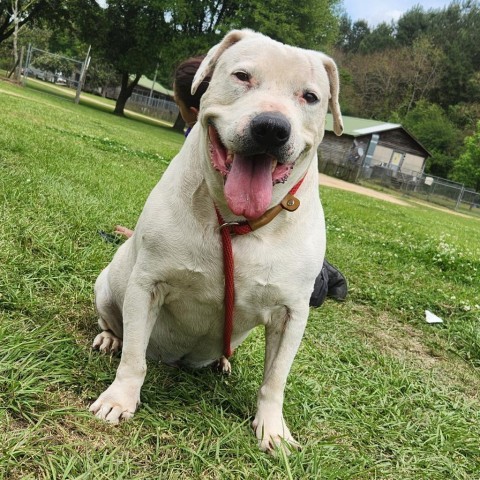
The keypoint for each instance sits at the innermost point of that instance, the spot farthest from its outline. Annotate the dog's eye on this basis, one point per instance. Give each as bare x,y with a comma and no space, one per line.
310,97
242,76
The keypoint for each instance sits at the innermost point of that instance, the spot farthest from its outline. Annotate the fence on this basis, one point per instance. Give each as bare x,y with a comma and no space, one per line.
52,67
348,172
153,107
56,68
61,70
426,187
414,184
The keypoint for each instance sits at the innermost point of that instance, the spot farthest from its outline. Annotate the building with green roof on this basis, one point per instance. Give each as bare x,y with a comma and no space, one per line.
367,146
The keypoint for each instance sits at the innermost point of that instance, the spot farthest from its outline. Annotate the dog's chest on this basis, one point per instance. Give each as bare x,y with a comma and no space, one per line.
194,286
272,275
200,277
191,320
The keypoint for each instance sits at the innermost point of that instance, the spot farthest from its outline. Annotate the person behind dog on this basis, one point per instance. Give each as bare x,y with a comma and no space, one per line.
188,104
330,282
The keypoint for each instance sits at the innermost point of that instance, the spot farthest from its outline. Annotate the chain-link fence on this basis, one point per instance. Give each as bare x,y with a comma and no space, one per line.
64,71
425,187
52,67
153,107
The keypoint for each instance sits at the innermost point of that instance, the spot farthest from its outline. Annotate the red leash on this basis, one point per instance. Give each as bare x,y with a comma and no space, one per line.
229,295
241,228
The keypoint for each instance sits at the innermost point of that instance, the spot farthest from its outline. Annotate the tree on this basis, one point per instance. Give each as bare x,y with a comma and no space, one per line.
16,23
393,79
376,83
15,14
465,116
413,24
467,168
423,74
344,28
135,35
351,35
307,24
431,126
127,33
379,39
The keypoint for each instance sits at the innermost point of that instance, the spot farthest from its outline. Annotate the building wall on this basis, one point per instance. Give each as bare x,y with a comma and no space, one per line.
334,149
413,163
399,140
396,157
381,155
396,150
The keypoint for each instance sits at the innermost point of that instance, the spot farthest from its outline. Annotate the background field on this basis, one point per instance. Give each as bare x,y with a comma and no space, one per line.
375,392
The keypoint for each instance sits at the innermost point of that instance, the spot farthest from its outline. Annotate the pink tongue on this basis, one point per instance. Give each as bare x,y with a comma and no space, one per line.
248,189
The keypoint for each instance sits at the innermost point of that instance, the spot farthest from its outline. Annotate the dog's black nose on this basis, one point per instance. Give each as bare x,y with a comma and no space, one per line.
270,129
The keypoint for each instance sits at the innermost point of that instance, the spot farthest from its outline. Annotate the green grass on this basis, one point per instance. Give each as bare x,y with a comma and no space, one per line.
88,99
374,392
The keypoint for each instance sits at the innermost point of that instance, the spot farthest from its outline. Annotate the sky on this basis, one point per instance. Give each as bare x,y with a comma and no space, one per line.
377,11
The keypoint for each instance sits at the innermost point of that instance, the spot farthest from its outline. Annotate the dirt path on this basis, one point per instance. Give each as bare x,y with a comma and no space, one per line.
327,181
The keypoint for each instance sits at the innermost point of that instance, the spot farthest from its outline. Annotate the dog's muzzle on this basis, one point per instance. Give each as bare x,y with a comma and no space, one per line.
270,130
258,160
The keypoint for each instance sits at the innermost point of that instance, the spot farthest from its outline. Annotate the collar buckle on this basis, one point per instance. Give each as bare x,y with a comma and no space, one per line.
228,225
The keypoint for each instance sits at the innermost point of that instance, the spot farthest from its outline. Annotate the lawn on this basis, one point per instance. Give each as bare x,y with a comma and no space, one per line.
375,392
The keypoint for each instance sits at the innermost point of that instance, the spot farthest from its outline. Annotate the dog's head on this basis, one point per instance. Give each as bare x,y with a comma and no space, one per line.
264,111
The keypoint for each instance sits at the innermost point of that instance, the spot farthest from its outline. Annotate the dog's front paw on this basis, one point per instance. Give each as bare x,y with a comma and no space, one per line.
273,434
118,402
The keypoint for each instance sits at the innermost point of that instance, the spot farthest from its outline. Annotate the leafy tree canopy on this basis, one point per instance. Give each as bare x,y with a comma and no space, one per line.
380,38
308,24
413,24
351,35
429,123
467,168
136,36
28,11
198,25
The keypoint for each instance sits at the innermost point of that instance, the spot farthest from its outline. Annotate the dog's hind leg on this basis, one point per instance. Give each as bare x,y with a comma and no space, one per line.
140,311
107,342
223,365
110,317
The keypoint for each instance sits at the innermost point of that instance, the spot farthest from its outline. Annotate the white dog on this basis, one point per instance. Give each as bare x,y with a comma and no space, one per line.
261,121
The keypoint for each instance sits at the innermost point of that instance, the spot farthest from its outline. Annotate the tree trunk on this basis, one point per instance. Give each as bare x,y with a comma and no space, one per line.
12,71
15,36
125,92
179,124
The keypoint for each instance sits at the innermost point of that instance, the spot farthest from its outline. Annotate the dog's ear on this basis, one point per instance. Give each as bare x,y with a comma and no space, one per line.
334,81
208,64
